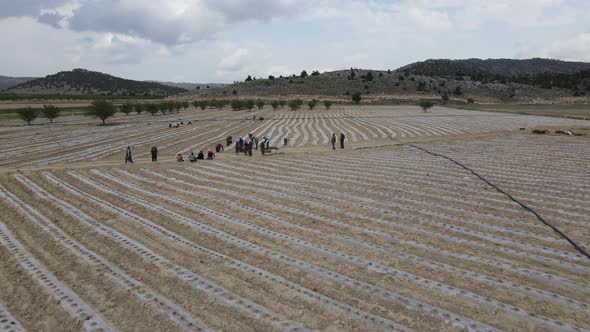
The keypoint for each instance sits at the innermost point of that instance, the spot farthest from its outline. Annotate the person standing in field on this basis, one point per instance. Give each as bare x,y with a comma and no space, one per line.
342,138
128,157
154,152
333,141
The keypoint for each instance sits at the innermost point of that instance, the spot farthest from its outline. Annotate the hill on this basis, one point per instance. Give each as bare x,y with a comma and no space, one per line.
7,82
482,69
190,86
81,81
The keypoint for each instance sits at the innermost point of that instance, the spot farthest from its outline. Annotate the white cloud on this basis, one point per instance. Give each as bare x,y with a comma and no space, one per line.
572,49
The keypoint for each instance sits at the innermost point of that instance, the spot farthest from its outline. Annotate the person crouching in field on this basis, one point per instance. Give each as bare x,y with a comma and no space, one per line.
201,155
219,148
210,155
154,153
128,157
192,158
179,158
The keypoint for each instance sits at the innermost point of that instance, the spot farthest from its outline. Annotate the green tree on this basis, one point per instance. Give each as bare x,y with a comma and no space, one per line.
369,77
260,104
170,105
163,107
249,78
152,109
356,97
126,108
185,104
101,109
303,74
312,104
458,91
282,103
50,112
203,104
295,104
275,104
27,114
249,104
237,104
445,98
139,108
177,106
327,104
425,105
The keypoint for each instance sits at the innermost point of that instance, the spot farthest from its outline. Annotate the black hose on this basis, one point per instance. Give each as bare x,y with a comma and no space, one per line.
555,229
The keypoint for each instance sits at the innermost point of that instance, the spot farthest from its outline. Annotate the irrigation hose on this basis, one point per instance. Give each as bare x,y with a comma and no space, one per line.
555,229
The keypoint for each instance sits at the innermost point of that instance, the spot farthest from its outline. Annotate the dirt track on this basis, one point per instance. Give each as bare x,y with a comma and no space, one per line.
386,238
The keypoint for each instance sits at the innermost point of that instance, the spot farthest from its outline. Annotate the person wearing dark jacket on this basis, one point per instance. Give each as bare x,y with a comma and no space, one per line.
333,141
342,138
201,155
154,153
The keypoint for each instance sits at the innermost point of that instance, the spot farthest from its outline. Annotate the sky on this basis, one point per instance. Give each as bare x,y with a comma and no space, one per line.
223,41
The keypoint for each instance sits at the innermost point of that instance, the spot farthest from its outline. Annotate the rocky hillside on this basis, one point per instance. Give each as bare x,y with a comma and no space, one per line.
190,86
371,83
7,82
81,81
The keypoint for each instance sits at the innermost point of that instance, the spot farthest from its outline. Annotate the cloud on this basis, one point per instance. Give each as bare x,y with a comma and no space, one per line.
576,48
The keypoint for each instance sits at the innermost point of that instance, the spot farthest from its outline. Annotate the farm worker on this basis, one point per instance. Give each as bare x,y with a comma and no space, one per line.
192,158
128,157
229,140
201,155
262,146
255,141
219,148
179,158
333,141
210,155
342,137
154,152
286,140
266,141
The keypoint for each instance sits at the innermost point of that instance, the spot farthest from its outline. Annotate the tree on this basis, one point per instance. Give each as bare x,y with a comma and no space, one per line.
445,98
139,108
50,112
163,107
312,104
126,108
315,73
327,104
27,114
458,91
177,106
203,104
152,109
185,104
282,103
303,74
101,109
250,104
425,105
249,78
369,77
236,104
356,97
275,104
270,77
260,104
170,105
295,104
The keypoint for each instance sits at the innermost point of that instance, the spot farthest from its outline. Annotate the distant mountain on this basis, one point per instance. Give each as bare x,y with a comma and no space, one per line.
82,81
7,82
190,86
484,69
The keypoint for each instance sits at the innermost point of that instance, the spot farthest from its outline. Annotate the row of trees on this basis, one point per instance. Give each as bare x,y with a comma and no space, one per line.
29,114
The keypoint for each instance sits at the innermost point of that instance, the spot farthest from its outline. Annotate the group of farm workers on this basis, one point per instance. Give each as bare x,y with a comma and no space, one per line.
242,145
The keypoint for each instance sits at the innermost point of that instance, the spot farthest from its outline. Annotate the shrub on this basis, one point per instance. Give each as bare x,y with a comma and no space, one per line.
101,109
275,104
295,104
356,97
260,104
470,100
185,104
458,91
425,105
163,107
303,74
327,104
27,114
312,104
315,73
445,98
126,108
203,104
282,103
50,112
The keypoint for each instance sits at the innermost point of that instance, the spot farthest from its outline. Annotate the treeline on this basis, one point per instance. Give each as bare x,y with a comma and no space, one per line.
58,96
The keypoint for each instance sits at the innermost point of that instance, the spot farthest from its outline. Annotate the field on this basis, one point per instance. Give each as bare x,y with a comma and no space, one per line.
380,235
575,111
